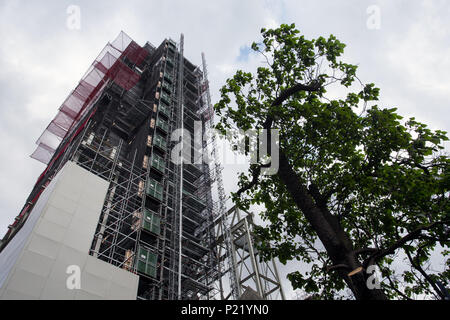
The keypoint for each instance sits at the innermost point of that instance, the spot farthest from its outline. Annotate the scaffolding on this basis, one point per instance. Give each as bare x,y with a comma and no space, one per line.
250,270
163,221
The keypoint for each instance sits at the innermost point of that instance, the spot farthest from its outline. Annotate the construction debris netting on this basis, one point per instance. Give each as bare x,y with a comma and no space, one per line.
108,66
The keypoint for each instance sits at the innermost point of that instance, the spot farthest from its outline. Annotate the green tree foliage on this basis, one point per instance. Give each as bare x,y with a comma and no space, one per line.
357,185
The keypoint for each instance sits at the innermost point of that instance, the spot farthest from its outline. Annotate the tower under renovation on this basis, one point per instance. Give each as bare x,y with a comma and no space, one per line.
127,207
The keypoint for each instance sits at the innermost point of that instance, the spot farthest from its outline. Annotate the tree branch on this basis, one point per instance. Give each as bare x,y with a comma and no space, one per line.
393,287
317,196
401,242
320,199
336,266
256,173
424,274
285,94
314,86
361,251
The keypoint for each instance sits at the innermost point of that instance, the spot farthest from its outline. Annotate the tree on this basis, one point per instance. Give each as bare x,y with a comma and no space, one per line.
356,186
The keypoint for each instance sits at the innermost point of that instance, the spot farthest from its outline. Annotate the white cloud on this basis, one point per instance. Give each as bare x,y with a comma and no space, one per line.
422,55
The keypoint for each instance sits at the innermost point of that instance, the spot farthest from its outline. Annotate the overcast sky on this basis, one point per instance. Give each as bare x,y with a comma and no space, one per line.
406,53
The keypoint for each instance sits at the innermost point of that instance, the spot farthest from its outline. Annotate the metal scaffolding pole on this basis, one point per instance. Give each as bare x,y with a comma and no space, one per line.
222,212
181,108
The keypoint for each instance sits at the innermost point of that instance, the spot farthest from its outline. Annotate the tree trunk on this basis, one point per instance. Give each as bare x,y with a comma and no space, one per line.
336,242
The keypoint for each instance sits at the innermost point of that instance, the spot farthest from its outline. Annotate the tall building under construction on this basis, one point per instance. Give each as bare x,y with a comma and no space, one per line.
114,215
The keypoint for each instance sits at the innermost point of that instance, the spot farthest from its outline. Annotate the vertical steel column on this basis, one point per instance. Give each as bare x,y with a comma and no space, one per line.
221,191
277,276
181,107
253,260
263,274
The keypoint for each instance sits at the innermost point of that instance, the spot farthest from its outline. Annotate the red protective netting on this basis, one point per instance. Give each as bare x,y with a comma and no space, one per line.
123,76
135,53
57,130
43,152
107,67
63,120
